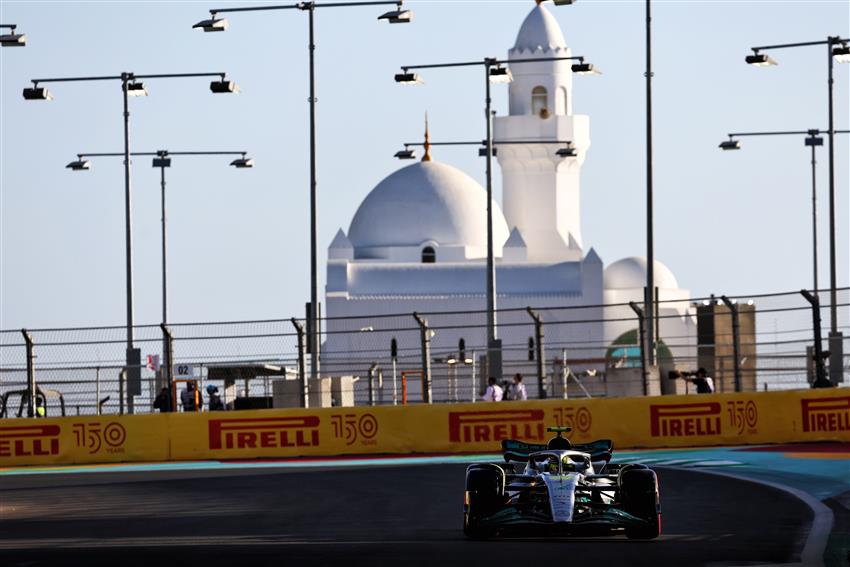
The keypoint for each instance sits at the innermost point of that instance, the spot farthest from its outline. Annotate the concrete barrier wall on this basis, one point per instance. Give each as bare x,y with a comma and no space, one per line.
660,421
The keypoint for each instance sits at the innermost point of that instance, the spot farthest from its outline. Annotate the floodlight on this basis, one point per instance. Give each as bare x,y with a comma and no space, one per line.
408,79
243,163
37,93
406,153
585,69
161,161
136,89
730,145
760,60
79,165
563,2
451,359
568,151
482,152
13,39
841,54
212,25
223,86
813,140
501,75
397,16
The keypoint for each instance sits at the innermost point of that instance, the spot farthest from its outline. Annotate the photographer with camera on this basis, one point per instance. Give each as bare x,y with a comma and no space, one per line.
703,382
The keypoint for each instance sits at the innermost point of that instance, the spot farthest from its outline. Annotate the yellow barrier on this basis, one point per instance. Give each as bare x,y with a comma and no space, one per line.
665,421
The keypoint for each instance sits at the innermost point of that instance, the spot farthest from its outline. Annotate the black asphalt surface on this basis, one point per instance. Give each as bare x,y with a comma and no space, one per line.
379,516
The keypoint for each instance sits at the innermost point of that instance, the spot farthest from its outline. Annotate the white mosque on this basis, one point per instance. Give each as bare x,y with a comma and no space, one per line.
418,243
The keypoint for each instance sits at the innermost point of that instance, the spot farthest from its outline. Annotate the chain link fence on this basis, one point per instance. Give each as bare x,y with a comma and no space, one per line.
586,351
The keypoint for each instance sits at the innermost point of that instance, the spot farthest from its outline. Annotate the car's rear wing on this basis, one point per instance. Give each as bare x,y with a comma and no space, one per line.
518,451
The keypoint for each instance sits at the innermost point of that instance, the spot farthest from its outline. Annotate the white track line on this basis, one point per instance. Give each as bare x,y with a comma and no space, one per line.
822,521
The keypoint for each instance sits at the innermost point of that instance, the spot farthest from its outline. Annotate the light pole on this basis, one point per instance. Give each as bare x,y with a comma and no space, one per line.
215,24
649,292
162,160
837,49
12,39
130,86
812,140
495,71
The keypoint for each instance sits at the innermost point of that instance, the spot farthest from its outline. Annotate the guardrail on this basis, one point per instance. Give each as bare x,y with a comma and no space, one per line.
653,421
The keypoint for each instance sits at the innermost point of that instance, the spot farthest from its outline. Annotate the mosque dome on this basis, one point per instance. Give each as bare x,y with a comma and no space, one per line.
630,273
539,32
426,202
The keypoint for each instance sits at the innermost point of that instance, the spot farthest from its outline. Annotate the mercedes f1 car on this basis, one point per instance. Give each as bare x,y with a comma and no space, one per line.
561,489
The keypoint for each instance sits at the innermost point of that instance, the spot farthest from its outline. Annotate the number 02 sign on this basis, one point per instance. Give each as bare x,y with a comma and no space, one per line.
184,371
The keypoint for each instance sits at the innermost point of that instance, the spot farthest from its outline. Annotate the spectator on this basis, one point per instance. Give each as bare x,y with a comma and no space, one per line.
494,392
703,382
517,390
215,399
163,400
191,398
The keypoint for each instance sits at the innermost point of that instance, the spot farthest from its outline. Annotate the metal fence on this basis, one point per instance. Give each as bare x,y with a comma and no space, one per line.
441,356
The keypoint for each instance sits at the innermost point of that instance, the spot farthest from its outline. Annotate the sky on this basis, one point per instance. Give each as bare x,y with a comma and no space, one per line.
737,223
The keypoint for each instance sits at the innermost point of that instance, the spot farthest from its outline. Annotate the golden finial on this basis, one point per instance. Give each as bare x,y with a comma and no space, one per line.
427,144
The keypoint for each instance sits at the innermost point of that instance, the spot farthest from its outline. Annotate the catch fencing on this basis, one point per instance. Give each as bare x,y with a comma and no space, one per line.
746,342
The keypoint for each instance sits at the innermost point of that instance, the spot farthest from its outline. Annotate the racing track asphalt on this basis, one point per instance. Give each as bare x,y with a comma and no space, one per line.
397,516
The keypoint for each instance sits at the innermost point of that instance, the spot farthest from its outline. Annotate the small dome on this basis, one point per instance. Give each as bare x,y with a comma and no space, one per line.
630,273
539,31
426,201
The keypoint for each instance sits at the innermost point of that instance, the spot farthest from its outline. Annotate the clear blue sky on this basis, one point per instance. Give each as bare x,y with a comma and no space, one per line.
735,223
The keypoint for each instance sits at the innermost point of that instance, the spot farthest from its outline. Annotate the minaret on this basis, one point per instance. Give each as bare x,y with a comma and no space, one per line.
540,190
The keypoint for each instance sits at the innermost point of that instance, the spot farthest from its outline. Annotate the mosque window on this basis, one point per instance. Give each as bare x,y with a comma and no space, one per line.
539,102
429,256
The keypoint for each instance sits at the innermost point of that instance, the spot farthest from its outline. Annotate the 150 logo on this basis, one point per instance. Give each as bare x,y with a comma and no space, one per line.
95,436
579,419
351,428
743,416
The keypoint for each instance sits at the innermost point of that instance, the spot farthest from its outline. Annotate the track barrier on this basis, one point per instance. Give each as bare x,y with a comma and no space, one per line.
650,422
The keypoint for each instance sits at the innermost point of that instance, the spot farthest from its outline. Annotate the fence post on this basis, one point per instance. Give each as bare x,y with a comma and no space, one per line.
425,337
541,360
168,343
736,340
564,371
394,357
642,340
302,377
97,390
821,381
372,370
122,380
31,391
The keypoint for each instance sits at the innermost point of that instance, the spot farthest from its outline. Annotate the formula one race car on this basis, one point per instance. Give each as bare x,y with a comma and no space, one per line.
561,489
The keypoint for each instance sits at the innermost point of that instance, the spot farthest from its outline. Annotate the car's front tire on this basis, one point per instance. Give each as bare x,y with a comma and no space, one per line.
484,496
640,497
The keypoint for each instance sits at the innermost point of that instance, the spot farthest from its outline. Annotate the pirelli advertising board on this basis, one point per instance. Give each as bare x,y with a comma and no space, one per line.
662,421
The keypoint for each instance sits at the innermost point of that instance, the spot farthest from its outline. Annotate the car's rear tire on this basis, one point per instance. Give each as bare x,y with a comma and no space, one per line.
485,488
640,497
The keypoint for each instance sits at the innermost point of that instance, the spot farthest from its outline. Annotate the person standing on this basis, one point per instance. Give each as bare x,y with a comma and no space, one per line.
702,381
215,403
494,392
163,400
517,391
191,398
